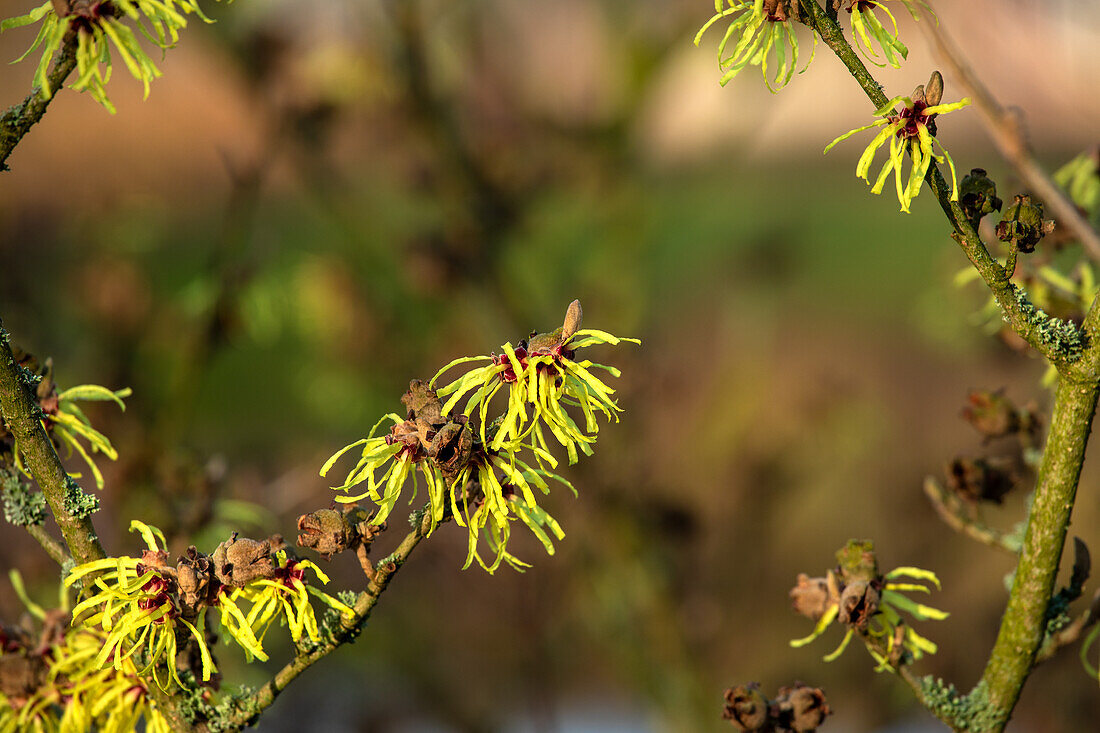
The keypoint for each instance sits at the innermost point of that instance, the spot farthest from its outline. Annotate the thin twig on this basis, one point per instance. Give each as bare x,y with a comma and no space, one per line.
52,547
952,513
1071,633
1006,131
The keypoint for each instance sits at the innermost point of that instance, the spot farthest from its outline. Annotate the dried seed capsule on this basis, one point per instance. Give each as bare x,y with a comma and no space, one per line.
1023,224
978,195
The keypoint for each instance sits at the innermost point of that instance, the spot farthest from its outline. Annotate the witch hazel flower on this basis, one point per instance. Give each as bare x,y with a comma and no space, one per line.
762,32
869,604
911,130
135,601
869,30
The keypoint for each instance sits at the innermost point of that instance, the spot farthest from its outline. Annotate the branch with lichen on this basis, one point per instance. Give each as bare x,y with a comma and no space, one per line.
1059,341
71,507
151,619
1075,355
1072,350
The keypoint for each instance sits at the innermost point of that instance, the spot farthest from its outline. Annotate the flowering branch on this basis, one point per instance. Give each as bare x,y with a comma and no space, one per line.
1004,129
1057,341
1023,626
248,709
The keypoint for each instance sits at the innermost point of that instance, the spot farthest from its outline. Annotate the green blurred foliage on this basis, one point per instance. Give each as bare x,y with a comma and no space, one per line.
413,197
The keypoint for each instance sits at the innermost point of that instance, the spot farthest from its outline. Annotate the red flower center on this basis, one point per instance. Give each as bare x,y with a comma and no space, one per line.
557,352
914,117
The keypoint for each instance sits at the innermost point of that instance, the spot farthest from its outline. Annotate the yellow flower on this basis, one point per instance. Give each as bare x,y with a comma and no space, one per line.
911,130
762,29
135,602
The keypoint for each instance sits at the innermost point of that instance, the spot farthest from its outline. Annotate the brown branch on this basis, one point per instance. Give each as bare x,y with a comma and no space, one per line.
953,514
1005,129
18,120
250,708
23,418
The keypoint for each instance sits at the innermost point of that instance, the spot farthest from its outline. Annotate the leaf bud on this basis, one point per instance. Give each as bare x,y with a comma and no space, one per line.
933,90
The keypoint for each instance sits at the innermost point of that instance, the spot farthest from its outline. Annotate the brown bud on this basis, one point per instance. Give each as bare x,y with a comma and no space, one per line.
195,579
240,561
991,413
978,479
154,558
573,317
933,90
1023,224
20,675
811,597
746,707
801,708
978,194
858,603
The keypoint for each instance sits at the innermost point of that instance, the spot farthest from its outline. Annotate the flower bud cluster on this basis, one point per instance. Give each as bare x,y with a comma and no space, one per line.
483,471
149,611
796,709
868,603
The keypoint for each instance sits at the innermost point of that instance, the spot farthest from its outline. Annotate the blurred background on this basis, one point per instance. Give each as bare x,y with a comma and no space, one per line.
320,201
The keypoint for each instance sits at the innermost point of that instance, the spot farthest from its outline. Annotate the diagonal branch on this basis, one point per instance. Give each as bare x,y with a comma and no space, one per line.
1005,130
18,120
950,511
1051,337
250,708
1023,625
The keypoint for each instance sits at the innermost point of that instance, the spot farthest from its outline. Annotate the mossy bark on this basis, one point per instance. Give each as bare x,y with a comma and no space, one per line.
1024,623
21,415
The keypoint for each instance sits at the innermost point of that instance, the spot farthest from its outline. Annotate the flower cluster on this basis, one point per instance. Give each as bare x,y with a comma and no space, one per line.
759,30
911,130
869,604
147,611
50,681
483,470
870,31
99,25
63,418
